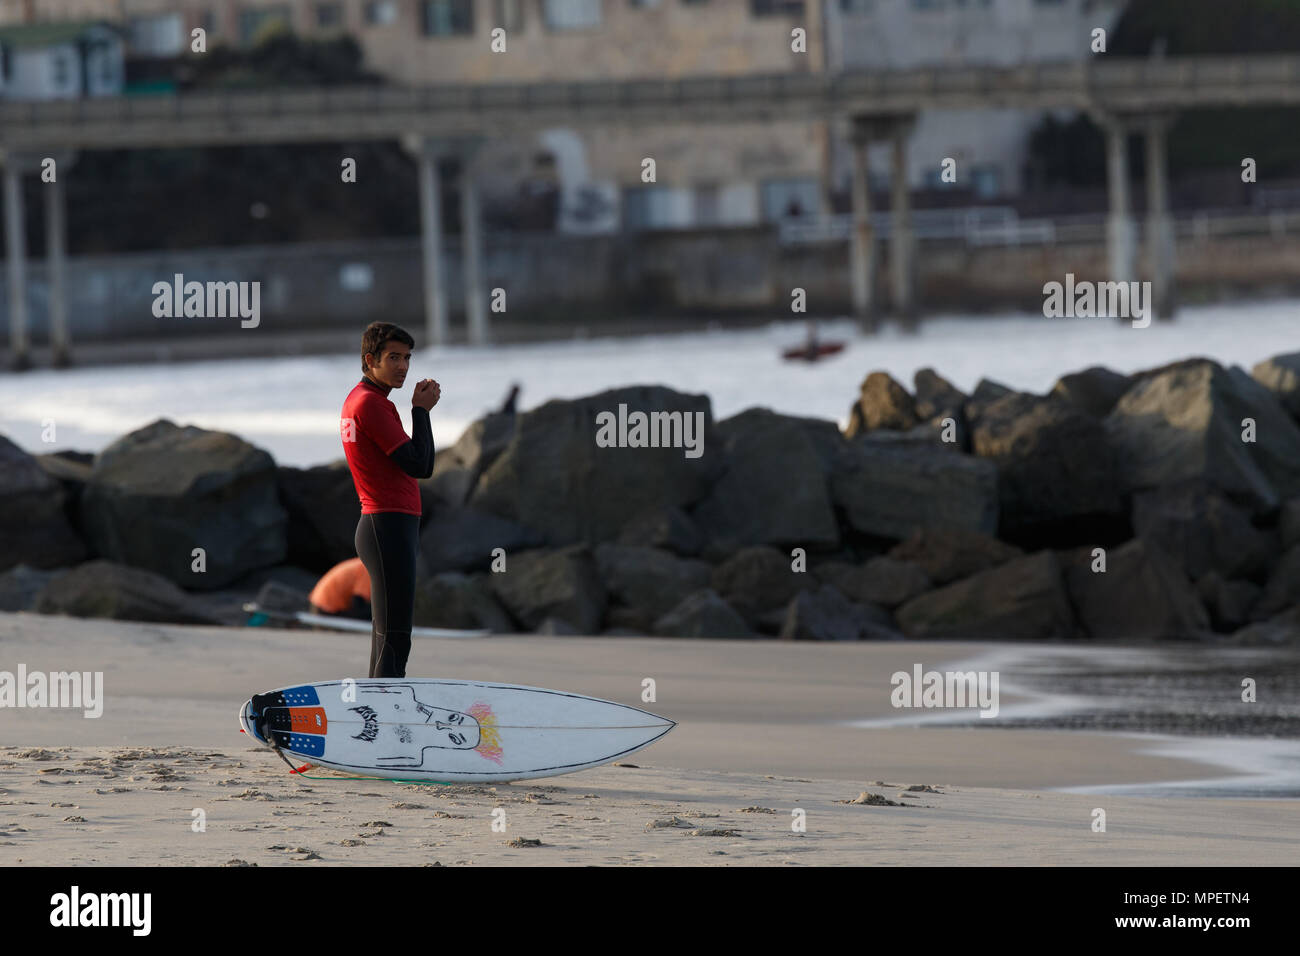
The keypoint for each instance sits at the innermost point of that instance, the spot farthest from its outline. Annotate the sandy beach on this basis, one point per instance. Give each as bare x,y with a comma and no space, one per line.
764,730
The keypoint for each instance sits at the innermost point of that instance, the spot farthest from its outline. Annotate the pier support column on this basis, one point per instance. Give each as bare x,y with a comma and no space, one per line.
16,265
471,237
1121,245
427,152
862,250
56,260
902,241
1160,230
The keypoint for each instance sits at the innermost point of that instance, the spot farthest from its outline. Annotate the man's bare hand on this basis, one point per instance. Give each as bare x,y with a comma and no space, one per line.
426,393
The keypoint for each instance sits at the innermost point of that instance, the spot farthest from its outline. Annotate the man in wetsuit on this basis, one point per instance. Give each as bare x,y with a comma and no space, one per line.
385,464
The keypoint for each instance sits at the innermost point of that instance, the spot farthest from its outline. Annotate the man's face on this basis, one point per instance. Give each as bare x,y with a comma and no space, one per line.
394,362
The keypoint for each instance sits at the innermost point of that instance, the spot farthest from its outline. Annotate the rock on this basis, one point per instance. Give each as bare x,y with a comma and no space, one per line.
948,554
555,478
71,469
758,579
1094,391
936,397
773,489
161,491
1183,424
1228,602
702,614
1283,587
1281,376
34,525
1202,531
539,584
649,581
463,539
986,391
1057,475
323,510
929,436
558,627
883,404
891,492
667,527
827,615
1282,629
20,585
456,470
882,580
1289,523
453,599
1142,595
109,590
1021,600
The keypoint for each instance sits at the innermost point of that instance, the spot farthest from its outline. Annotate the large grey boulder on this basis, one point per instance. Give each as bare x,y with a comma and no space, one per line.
109,590
1202,531
1289,523
827,615
1281,376
322,508
34,525
1056,470
774,486
1094,391
703,614
1022,600
1282,590
759,579
648,581
1142,595
457,600
1183,424
1228,602
563,584
456,470
463,539
1280,630
162,491
555,478
890,492
881,580
667,527
936,397
948,554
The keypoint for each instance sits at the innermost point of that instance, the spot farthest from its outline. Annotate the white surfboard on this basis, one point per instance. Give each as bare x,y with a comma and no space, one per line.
354,624
451,731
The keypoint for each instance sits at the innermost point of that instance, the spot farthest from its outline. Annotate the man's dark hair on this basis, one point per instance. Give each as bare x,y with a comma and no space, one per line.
377,334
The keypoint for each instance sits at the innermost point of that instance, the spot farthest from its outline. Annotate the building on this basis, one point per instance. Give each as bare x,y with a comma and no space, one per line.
46,61
990,146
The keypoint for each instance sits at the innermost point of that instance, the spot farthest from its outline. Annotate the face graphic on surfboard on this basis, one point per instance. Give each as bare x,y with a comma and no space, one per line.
442,729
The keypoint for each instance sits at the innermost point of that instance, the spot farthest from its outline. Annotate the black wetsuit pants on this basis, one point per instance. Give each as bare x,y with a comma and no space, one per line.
386,544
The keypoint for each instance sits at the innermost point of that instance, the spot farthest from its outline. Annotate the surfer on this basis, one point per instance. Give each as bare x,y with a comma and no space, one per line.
385,464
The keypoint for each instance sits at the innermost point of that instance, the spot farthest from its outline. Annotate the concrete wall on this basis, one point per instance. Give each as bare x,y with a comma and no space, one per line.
547,278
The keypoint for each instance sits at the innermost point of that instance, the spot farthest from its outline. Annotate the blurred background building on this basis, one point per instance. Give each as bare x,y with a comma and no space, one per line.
738,213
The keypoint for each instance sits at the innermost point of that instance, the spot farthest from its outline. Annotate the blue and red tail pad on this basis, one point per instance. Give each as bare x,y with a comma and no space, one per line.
293,719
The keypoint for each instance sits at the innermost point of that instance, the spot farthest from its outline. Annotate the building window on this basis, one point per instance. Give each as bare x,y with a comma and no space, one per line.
442,18
509,15
156,36
329,15
254,24
986,180
60,65
380,13
571,14
775,8
857,7
707,210
207,22
783,198
647,207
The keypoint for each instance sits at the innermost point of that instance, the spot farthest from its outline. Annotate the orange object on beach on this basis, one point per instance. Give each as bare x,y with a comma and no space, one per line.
334,592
